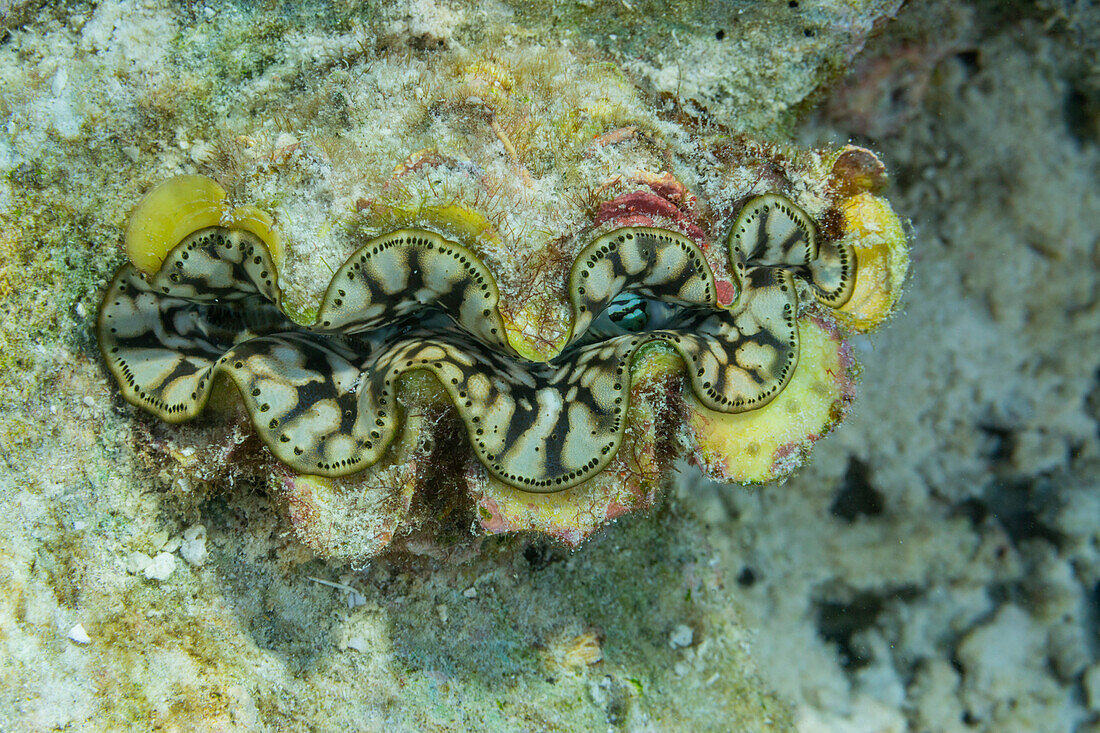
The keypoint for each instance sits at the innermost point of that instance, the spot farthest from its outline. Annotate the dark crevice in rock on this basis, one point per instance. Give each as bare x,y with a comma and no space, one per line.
973,509
1082,115
856,496
747,577
1092,399
838,621
971,61
1001,441
541,553
1015,505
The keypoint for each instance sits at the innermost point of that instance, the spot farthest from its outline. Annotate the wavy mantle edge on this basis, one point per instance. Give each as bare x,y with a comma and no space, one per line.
325,434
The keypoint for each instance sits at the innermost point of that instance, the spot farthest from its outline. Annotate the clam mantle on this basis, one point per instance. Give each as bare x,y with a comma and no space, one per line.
329,398
323,397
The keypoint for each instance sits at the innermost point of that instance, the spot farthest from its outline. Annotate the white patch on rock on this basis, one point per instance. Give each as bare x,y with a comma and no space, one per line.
193,548
136,562
681,637
357,643
161,567
79,635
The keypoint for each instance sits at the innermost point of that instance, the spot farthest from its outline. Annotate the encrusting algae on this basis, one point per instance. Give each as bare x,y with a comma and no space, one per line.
551,338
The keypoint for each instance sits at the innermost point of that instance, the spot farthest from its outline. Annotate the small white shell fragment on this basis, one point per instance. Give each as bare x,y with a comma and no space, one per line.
60,81
161,567
193,548
202,152
159,538
470,592
681,637
358,644
285,140
194,532
79,635
136,562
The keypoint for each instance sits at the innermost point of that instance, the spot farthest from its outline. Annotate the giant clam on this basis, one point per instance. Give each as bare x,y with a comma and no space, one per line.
575,369
323,396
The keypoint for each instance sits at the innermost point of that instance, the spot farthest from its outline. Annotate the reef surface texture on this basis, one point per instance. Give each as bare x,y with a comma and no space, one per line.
936,567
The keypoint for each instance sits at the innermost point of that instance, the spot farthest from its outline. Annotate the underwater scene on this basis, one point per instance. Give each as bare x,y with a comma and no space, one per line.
557,365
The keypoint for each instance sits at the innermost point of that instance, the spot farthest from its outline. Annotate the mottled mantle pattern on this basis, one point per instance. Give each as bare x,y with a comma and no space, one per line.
323,398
